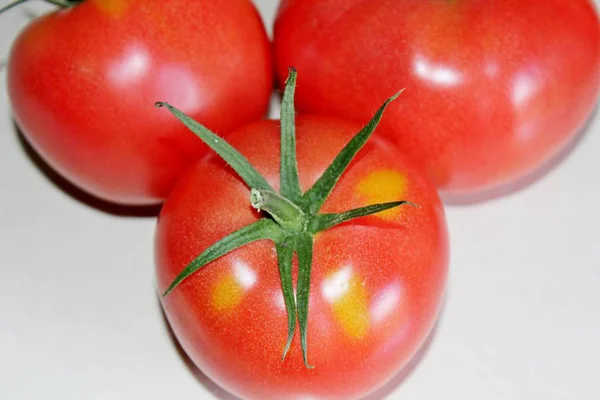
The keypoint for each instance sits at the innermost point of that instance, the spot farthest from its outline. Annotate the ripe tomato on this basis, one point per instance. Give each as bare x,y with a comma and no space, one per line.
376,283
82,83
493,88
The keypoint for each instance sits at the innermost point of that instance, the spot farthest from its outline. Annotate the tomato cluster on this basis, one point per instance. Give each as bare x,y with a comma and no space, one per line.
305,257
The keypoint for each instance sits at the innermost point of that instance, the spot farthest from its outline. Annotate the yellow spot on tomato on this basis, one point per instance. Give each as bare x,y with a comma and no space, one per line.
351,309
112,8
383,186
227,293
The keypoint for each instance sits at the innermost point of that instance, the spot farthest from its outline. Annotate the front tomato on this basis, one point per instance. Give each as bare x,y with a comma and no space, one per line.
494,89
376,284
82,83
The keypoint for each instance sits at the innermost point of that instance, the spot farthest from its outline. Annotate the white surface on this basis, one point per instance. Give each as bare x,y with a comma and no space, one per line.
79,317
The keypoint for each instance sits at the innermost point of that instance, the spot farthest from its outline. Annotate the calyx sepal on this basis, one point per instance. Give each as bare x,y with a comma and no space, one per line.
292,217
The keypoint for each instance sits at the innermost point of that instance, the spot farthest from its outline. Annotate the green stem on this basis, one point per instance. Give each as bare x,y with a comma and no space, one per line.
230,155
59,3
11,5
323,222
284,259
290,186
261,229
288,215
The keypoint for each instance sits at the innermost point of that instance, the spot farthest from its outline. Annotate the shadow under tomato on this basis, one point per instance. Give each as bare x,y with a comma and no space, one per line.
392,385
76,193
527,180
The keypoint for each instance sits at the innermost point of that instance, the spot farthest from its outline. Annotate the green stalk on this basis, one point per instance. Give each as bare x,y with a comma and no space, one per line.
59,3
284,211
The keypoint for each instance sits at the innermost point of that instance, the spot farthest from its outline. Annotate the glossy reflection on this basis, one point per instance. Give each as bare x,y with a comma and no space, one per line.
178,85
337,284
436,73
524,88
345,291
131,66
386,302
244,274
530,110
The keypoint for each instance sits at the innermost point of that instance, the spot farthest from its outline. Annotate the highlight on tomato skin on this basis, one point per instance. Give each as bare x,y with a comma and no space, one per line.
376,284
82,82
496,90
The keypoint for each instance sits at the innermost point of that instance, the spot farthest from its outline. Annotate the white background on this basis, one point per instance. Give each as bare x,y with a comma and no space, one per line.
80,319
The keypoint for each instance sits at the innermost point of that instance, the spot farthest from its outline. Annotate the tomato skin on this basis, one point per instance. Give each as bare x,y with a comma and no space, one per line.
376,284
494,89
82,83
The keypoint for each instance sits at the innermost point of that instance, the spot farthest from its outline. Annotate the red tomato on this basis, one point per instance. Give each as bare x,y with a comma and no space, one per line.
376,283
493,88
82,83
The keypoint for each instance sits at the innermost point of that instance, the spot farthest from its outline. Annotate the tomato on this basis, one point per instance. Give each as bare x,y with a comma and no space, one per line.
82,82
376,284
494,89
